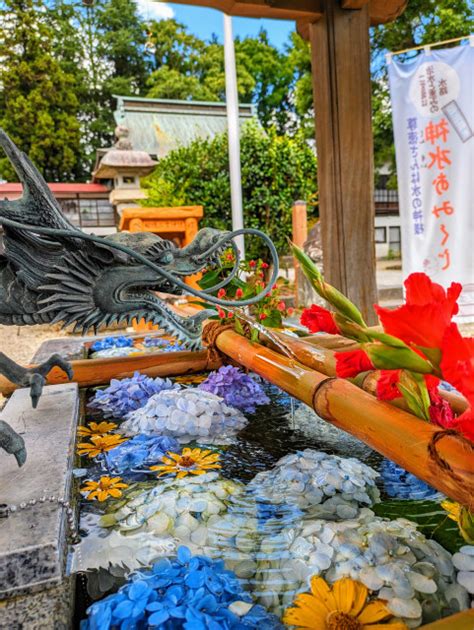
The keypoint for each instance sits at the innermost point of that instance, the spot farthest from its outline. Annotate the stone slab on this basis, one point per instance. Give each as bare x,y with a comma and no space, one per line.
33,547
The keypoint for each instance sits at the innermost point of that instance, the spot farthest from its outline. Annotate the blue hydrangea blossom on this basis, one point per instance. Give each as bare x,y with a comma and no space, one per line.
112,342
140,452
128,394
237,388
189,593
401,484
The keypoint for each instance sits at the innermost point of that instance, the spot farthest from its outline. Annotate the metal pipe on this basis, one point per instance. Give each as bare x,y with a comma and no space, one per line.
232,101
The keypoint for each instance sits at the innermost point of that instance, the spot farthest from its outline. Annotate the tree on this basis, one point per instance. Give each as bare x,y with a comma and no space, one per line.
38,104
190,68
276,171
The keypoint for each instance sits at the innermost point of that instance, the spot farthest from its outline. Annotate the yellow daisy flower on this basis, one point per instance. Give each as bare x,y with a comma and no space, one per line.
190,379
104,488
94,428
99,444
463,517
344,606
189,462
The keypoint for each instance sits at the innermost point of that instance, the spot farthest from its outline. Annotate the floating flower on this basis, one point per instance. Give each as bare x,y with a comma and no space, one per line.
104,488
188,414
120,341
99,444
109,353
344,606
188,592
352,362
165,345
128,394
328,486
190,379
428,310
401,484
139,452
189,462
463,517
318,319
238,389
414,575
96,428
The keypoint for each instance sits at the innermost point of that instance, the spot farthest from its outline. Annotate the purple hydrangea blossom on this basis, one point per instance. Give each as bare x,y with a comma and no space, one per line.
190,592
129,394
238,389
112,342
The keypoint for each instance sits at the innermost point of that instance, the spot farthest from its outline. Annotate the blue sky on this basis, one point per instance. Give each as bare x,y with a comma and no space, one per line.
204,22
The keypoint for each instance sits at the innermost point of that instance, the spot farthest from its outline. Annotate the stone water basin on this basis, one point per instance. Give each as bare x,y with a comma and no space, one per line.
282,497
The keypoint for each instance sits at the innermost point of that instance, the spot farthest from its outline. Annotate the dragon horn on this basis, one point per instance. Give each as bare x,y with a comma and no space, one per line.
37,204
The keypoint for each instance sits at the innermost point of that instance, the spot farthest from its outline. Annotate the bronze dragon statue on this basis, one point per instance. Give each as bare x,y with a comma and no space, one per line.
50,272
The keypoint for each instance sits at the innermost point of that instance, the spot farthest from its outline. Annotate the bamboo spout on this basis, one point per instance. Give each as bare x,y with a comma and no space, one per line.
93,372
391,431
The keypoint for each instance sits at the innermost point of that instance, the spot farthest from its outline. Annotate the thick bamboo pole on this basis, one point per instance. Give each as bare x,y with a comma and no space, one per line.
309,353
462,621
392,432
93,372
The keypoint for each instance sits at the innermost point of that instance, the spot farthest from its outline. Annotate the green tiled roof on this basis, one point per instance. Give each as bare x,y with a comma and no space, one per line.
157,125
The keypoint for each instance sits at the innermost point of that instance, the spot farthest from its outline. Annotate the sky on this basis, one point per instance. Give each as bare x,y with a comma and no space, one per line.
204,22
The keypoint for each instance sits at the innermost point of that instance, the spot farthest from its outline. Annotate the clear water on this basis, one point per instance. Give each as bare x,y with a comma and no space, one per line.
263,527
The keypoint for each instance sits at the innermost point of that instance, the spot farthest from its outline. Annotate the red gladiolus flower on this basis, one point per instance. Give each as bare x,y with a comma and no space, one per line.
230,315
440,412
261,274
465,424
252,263
290,311
229,256
428,310
387,385
262,316
352,362
221,313
281,306
265,265
318,319
274,287
239,293
457,361
221,293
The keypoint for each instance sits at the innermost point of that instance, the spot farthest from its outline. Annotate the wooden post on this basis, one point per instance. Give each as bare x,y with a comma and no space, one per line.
342,95
300,236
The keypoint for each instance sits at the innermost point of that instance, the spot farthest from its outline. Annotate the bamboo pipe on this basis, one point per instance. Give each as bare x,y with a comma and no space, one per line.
322,359
391,431
92,372
461,621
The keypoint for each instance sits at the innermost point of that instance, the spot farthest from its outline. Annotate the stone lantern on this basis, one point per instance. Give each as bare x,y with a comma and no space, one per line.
124,166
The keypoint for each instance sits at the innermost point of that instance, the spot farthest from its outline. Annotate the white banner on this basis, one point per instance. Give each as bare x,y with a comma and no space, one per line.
433,118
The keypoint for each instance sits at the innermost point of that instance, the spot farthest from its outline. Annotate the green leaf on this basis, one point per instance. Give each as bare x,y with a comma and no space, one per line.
430,517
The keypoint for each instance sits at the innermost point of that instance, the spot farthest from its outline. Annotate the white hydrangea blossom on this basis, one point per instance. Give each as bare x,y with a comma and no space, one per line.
392,558
464,563
181,509
327,486
187,415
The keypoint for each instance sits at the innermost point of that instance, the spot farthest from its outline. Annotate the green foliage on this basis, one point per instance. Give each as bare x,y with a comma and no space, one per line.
276,171
430,517
38,103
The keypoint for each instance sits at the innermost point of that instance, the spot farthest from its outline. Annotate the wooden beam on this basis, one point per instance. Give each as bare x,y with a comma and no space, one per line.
353,4
342,97
305,12
276,9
